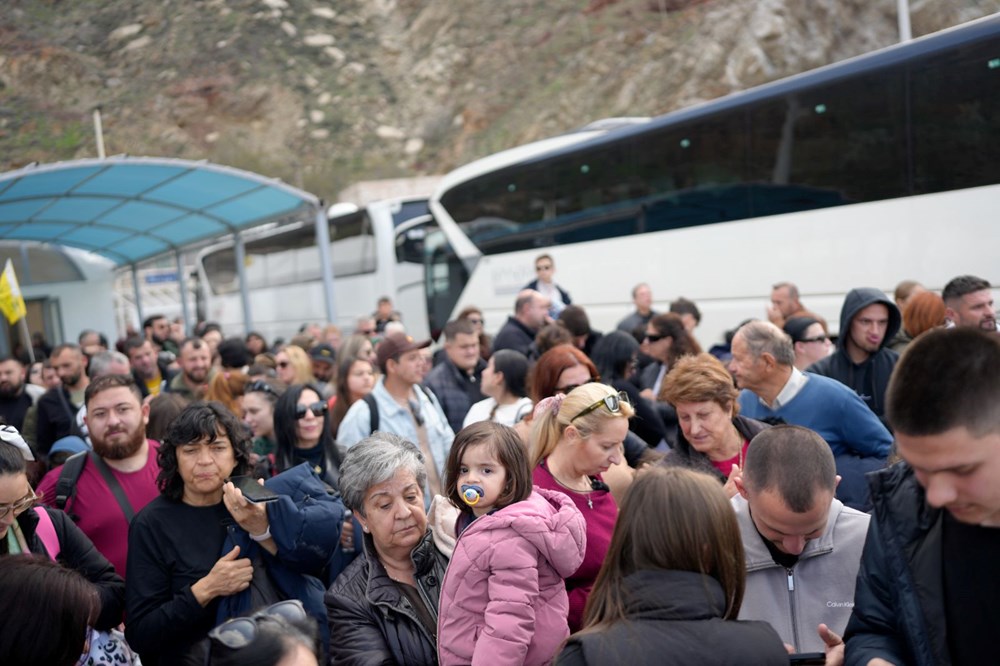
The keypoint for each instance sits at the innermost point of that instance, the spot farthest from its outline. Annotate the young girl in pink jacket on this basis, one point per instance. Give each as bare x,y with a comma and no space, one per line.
503,600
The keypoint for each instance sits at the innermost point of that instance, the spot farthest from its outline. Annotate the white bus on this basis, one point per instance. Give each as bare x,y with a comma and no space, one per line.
375,251
877,169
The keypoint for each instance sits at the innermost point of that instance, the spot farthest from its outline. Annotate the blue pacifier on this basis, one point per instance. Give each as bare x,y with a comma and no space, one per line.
472,494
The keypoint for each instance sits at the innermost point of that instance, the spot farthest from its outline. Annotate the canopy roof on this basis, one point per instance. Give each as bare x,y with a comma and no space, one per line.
129,209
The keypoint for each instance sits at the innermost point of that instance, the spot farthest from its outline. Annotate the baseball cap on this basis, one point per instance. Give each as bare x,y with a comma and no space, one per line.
323,352
395,344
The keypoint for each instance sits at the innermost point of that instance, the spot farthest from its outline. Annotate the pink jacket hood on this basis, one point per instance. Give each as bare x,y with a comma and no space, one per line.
503,600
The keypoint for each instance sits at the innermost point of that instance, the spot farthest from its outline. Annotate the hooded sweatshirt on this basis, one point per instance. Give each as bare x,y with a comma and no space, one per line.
869,378
503,600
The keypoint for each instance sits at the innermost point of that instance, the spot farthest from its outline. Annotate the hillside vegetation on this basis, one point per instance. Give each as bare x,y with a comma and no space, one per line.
324,94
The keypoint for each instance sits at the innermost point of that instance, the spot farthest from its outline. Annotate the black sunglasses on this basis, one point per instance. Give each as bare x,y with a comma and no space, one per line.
317,409
821,338
655,338
571,387
260,386
242,631
613,402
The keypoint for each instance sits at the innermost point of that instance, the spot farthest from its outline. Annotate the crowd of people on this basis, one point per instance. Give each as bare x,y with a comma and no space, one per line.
550,494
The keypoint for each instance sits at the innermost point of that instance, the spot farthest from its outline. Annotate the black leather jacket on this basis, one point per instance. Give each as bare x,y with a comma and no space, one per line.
372,621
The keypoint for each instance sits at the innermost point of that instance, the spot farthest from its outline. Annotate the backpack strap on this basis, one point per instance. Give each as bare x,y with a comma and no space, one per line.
46,532
113,485
66,485
373,418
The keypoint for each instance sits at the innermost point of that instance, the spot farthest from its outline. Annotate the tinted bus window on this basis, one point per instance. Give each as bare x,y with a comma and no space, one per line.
956,118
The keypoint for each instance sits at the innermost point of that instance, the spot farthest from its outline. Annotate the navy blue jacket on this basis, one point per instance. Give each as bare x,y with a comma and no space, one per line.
898,613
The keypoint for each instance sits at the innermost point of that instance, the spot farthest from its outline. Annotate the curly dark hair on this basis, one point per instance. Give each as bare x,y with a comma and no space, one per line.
197,422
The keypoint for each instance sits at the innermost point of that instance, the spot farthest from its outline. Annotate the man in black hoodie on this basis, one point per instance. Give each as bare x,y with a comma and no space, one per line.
863,360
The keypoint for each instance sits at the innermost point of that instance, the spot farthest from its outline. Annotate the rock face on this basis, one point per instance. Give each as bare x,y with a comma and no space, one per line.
324,94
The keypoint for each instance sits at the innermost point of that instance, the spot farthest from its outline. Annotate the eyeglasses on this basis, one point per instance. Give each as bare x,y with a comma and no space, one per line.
475,320
242,631
655,338
613,402
317,409
259,386
821,338
18,506
543,268
283,364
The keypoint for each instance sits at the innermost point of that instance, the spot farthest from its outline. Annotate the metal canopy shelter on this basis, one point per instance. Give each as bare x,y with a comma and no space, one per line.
131,209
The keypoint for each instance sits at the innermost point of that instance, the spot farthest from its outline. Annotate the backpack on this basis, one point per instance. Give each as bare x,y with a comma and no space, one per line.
70,474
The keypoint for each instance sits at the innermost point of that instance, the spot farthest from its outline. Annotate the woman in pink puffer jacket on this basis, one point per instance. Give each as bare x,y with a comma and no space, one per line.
503,600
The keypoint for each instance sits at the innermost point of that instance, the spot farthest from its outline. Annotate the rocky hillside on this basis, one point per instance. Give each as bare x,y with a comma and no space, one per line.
323,94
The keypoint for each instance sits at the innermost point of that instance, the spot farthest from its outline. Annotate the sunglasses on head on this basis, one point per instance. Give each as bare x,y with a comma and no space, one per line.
260,386
613,402
242,631
317,409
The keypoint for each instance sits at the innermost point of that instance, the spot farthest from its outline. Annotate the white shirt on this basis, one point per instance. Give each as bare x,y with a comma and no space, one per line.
507,415
796,381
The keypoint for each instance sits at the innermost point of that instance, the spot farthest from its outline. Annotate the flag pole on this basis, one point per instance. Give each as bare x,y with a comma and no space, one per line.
23,325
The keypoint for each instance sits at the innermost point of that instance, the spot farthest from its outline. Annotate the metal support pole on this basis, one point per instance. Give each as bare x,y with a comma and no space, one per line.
182,284
903,10
138,296
325,263
99,132
241,271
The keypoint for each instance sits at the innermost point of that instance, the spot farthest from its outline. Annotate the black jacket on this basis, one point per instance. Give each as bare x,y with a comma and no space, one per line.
372,621
514,335
675,617
685,455
870,378
898,612
56,418
455,389
646,423
78,553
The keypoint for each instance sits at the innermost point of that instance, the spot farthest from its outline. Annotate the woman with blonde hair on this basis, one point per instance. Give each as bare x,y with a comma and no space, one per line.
293,366
672,584
576,438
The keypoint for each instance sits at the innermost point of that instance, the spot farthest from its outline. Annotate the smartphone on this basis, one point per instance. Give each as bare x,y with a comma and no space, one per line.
253,491
807,659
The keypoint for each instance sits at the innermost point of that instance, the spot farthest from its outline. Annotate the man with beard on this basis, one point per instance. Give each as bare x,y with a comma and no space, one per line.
16,396
118,477
157,331
56,410
968,301
195,360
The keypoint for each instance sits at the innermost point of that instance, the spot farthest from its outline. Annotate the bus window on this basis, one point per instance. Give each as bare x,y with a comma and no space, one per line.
955,101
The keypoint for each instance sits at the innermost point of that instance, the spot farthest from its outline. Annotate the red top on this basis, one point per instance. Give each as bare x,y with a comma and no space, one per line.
726,466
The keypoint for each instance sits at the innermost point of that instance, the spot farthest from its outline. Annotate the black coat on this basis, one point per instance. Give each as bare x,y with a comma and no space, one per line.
372,621
685,455
675,617
898,610
514,335
77,552
870,378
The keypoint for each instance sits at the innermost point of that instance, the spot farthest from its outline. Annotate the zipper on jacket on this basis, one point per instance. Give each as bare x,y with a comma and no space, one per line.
790,573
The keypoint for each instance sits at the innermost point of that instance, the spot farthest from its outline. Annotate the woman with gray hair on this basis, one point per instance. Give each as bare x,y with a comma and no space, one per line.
383,607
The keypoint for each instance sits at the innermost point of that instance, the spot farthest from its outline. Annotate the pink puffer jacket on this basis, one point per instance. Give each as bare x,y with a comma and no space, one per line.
503,600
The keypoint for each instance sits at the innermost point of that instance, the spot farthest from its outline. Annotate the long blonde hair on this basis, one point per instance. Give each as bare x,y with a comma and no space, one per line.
299,360
553,416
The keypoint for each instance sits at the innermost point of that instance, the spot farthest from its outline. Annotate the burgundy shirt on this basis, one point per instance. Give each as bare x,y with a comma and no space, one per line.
600,519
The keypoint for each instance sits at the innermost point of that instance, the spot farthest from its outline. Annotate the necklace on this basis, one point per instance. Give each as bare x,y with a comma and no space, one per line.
587,493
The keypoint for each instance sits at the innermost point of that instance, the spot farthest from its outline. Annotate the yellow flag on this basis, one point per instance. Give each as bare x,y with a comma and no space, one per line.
11,300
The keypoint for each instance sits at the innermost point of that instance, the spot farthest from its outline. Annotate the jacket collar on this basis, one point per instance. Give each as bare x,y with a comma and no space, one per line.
757,555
